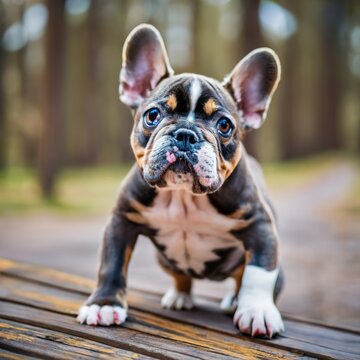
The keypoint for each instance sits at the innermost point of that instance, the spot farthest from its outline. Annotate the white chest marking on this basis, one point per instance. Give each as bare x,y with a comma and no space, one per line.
190,228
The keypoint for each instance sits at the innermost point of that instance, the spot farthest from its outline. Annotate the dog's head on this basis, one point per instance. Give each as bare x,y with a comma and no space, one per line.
188,128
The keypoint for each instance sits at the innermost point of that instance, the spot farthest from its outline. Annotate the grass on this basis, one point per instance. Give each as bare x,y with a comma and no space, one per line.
292,173
79,191
84,191
350,203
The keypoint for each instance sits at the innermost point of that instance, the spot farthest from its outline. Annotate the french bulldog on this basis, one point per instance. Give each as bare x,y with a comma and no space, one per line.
194,191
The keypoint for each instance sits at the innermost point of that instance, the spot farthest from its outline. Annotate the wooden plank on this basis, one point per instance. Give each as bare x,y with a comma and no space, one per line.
62,301
123,337
313,340
10,355
47,276
193,341
58,279
49,344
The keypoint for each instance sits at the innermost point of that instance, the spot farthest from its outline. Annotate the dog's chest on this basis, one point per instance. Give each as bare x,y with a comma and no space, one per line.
191,231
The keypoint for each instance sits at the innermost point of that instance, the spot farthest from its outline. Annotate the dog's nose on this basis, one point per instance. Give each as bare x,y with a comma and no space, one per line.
185,138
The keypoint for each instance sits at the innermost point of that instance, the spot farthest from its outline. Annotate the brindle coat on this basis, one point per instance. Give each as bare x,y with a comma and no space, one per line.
222,213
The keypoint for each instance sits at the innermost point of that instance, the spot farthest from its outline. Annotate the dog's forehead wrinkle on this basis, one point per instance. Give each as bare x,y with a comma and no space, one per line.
195,93
190,92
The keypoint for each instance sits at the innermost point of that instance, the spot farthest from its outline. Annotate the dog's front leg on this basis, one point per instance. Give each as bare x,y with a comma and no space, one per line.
107,305
256,312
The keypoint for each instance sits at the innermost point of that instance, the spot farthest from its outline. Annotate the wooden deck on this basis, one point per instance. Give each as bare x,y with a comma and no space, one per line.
37,320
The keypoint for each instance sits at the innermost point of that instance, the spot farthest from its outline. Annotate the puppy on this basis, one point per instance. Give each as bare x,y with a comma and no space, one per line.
193,191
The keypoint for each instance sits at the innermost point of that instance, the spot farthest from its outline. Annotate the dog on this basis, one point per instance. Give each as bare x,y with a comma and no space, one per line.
194,191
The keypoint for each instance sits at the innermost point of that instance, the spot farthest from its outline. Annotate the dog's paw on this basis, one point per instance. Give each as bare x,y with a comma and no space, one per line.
101,315
229,303
258,318
176,300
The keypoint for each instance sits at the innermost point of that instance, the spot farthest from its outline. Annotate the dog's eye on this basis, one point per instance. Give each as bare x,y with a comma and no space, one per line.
224,127
152,117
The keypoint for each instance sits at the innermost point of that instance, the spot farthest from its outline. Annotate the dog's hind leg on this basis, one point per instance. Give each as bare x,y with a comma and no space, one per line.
178,297
279,284
229,302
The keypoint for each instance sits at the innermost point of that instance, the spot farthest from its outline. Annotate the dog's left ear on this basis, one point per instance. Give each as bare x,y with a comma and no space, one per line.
252,83
144,64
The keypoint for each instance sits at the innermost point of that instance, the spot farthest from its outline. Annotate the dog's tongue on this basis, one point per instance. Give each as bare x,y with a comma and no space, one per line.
170,157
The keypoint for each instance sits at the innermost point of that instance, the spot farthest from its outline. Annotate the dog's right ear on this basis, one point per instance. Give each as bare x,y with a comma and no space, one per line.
144,64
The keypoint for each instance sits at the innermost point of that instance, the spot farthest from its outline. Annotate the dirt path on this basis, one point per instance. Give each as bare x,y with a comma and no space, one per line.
319,251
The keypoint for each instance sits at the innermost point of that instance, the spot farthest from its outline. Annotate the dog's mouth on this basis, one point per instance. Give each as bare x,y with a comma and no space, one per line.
173,171
178,170
181,165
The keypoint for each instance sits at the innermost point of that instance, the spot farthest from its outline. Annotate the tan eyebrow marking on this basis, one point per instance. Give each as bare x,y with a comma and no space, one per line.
172,102
210,107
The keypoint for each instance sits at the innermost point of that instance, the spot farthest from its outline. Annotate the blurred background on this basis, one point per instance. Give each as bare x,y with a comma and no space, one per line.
64,135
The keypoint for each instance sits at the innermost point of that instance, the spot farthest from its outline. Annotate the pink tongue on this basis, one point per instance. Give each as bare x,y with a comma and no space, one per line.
170,157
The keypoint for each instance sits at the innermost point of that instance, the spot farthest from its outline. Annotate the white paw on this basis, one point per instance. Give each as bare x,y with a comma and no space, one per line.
258,317
228,303
101,315
176,300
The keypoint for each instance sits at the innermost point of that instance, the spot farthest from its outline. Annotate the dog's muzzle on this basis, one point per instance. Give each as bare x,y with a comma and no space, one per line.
182,160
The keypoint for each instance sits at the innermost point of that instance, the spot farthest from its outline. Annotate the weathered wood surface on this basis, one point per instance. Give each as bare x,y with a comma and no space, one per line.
37,320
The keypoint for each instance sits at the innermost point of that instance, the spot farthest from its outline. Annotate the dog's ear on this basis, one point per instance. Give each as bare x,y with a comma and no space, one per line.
252,83
144,64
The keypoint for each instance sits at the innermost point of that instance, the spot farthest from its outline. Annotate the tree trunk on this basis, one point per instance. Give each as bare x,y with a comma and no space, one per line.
330,89
2,93
92,121
124,117
51,141
287,116
251,38
28,146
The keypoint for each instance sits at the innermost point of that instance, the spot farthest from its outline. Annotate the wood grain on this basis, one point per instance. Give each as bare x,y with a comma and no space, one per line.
10,355
49,300
49,344
190,337
127,337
